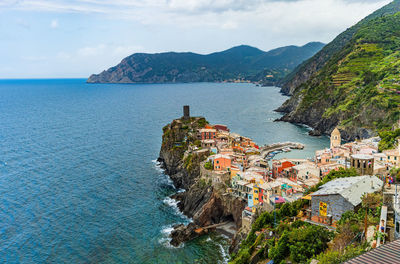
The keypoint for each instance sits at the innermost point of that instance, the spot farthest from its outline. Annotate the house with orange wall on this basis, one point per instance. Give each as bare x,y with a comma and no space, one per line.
222,162
207,133
278,167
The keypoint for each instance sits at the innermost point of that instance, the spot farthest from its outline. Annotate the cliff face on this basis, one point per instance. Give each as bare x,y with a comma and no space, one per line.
358,87
207,203
177,137
235,63
302,73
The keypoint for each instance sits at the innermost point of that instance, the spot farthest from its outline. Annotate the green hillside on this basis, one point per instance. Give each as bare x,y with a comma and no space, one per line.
307,69
242,62
359,87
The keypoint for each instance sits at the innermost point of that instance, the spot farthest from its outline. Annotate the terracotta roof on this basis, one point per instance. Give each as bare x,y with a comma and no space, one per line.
386,254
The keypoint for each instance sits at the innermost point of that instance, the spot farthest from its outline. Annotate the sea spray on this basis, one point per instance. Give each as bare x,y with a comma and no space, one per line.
166,237
174,204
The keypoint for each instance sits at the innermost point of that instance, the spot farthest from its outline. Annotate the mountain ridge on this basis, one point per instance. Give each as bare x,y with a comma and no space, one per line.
239,62
305,70
358,88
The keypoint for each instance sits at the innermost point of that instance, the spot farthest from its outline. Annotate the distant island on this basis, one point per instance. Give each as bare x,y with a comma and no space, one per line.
238,64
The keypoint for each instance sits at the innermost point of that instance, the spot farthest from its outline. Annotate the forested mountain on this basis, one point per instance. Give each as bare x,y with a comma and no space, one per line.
241,62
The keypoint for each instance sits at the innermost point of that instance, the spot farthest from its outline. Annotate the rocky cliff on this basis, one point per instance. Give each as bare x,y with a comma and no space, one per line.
355,85
303,72
205,201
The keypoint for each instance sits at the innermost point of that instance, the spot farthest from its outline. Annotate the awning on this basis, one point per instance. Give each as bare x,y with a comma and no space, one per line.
279,199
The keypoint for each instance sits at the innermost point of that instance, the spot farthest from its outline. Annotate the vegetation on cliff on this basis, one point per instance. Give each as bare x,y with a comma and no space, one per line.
348,242
296,241
242,62
309,68
300,242
388,139
359,86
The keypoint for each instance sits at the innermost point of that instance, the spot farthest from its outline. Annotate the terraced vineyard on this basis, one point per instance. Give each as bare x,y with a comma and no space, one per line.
360,85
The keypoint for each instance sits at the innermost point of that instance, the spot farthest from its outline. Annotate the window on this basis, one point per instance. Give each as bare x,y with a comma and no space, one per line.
256,199
397,227
217,161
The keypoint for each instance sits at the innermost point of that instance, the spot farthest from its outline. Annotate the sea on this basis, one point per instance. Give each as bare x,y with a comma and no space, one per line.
79,180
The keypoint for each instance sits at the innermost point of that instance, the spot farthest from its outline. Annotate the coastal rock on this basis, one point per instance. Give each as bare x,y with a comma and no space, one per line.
315,133
237,239
206,203
182,233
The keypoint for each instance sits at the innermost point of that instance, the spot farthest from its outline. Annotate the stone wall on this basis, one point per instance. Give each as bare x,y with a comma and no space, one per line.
337,205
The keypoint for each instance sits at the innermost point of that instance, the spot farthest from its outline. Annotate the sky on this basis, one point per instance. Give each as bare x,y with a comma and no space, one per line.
75,38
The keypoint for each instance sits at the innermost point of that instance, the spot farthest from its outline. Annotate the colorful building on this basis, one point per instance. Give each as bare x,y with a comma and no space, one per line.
279,166
207,133
393,155
341,195
222,162
220,127
303,172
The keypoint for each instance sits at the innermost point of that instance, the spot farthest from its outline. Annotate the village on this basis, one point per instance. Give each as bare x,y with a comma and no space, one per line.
251,173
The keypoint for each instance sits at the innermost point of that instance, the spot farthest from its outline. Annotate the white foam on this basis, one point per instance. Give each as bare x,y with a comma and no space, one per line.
167,230
158,166
225,255
165,240
181,191
174,204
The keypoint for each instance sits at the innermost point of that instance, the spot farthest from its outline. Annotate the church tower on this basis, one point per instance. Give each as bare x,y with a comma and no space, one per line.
336,140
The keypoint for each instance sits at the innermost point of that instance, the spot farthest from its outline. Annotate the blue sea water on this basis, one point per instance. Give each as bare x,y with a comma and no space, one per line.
78,178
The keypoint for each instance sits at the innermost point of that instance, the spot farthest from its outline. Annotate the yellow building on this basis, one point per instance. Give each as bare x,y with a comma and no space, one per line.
393,155
256,196
234,171
336,139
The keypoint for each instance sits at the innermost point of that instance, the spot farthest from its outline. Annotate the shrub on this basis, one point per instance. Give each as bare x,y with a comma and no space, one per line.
208,165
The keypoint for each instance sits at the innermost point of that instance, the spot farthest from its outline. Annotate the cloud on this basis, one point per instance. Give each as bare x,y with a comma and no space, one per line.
110,50
204,26
54,23
125,7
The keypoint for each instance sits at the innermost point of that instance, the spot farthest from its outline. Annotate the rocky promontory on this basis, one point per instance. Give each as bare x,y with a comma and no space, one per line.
204,200
237,63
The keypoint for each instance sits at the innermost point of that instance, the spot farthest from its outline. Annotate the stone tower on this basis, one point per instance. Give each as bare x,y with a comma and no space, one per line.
336,140
186,112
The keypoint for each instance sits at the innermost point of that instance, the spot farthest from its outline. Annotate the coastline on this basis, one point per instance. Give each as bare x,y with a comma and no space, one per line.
209,200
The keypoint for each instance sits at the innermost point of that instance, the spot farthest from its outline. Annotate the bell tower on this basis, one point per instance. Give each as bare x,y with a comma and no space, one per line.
336,140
